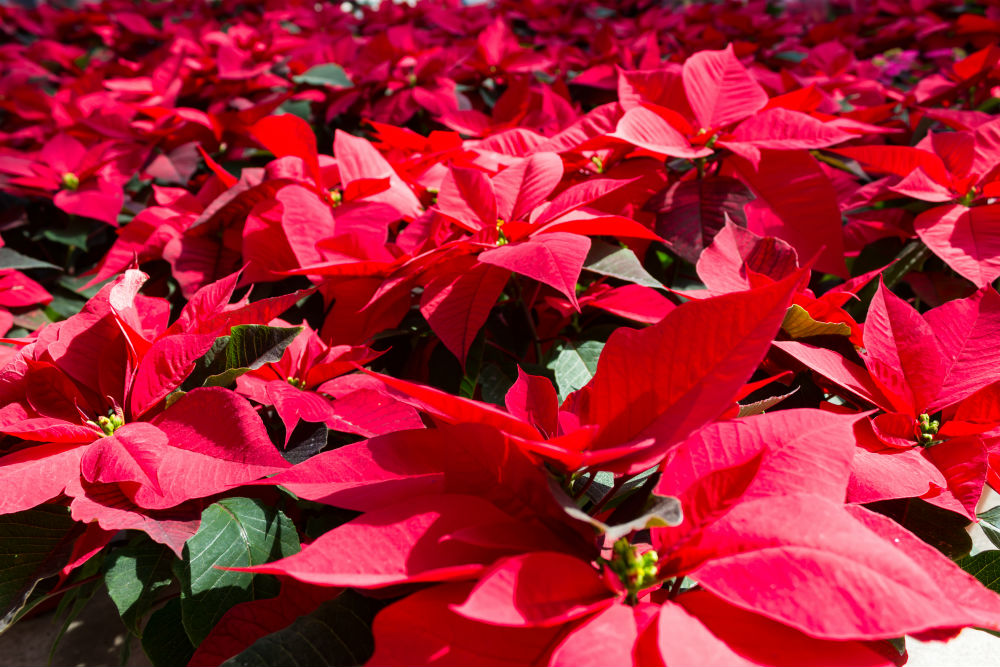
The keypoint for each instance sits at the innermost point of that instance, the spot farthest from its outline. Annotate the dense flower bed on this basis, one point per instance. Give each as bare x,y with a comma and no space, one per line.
518,333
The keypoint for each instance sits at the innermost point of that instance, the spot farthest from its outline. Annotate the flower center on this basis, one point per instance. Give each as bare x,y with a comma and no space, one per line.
299,383
501,237
928,429
636,571
70,180
110,424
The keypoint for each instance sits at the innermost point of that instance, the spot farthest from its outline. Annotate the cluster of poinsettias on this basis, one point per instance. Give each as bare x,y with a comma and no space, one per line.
502,334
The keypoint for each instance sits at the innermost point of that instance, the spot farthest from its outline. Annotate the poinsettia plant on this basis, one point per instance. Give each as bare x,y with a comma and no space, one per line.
616,333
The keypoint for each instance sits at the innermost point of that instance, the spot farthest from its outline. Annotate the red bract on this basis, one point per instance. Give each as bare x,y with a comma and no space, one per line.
309,383
630,413
94,392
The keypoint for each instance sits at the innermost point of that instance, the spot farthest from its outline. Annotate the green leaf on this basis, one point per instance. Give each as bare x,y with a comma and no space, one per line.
75,600
615,261
654,511
329,74
574,365
64,304
234,532
34,545
495,384
942,529
76,234
11,259
984,566
246,348
990,523
75,284
473,364
300,108
134,575
338,633
163,638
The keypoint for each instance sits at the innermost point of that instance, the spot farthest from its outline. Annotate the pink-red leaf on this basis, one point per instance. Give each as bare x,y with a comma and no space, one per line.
664,374
533,399
536,589
404,542
456,305
648,130
524,185
720,89
555,259
965,238
806,562
903,354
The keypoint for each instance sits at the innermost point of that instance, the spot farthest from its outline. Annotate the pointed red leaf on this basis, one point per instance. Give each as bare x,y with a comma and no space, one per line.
217,433
884,473
421,629
467,198
843,373
536,589
897,160
965,238
164,367
919,185
132,455
607,638
901,352
400,543
288,134
781,129
967,330
723,265
792,187
664,374
524,185
113,511
358,159
555,259
210,299
368,412
533,399
702,629
580,195
720,89
805,451
633,302
962,461
455,409
36,474
786,557
456,305
463,459
648,130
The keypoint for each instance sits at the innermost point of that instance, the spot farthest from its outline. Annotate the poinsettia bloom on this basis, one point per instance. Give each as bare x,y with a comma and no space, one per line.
957,171
916,366
88,400
310,383
718,93
74,176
